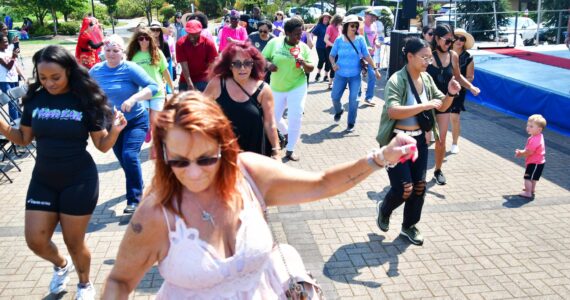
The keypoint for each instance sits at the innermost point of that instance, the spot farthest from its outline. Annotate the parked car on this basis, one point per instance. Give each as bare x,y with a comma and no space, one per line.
359,11
526,31
446,7
314,12
449,17
327,7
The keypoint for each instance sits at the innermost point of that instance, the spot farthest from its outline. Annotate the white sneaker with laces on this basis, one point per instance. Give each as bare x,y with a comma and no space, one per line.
454,149
85,292
61,277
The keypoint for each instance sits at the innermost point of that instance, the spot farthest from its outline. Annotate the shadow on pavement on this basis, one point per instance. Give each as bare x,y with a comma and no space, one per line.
515,201
319,136
114,165
55,296
344,264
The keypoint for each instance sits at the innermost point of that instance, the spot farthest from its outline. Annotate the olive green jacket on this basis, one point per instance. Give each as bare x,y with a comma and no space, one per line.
396,93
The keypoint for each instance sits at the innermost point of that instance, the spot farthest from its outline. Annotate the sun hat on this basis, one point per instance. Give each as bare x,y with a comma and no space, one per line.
193,27
350,19
470,41
372,12
156,24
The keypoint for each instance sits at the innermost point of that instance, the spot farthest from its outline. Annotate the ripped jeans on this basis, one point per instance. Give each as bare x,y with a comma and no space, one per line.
408,184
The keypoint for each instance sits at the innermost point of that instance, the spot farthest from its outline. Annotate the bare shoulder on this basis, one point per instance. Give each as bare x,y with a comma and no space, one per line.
149,219
214,88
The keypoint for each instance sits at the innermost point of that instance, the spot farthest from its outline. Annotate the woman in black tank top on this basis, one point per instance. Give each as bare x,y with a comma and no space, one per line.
237,85
444,67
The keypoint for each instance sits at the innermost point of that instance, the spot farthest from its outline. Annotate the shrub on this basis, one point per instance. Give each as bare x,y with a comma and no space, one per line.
128,9
63,28
38,30
167,12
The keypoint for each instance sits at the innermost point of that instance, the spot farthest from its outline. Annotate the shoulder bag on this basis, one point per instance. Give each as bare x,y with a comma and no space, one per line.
425,118
363,62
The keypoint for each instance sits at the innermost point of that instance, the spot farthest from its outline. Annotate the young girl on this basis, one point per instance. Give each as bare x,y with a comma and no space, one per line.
143,50
534,154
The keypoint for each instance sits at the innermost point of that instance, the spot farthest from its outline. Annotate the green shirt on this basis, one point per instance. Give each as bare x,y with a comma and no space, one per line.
154,71
288,76
395,94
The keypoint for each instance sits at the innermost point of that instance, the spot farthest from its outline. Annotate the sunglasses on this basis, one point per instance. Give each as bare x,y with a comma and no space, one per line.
246,64
353,26
449,41
143,38
263,31
430,33
155,30
183,163
234,19
461,39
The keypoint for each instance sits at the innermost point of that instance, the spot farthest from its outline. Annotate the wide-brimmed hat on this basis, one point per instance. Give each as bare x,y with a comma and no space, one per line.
156,24
470,41
326,14
372,12
350,19
280,12
193,27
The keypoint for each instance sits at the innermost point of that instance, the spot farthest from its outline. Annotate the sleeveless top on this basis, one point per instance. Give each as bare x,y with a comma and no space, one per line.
193,269
247,120
441,75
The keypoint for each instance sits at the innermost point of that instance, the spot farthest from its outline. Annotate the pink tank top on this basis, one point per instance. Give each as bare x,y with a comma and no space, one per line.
193,269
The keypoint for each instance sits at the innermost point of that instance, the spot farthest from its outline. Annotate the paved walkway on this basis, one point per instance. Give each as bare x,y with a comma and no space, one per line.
482,242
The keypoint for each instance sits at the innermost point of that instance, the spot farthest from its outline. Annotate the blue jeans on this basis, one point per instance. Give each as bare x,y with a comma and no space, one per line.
371,83
339,85
127,150
12,107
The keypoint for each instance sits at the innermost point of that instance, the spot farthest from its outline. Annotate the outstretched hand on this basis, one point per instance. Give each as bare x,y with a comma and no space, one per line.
401,148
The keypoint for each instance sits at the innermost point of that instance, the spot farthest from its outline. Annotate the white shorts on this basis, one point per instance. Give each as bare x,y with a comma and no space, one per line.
156,104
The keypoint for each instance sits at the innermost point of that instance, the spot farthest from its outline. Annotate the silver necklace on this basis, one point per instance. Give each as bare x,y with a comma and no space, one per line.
206,216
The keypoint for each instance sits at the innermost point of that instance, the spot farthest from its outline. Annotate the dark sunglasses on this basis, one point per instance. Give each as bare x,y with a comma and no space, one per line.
155,30
461,39
449,41
143,38
234,19
353,25
246,64
430,33
183,163
263,31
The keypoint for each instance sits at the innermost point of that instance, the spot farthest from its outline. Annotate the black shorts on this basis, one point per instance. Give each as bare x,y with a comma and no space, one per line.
533,171
70,187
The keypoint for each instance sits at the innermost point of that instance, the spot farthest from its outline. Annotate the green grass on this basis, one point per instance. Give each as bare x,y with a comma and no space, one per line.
47,41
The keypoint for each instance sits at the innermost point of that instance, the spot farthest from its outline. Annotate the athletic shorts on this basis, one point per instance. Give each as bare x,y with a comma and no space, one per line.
533,171
69,187
156,104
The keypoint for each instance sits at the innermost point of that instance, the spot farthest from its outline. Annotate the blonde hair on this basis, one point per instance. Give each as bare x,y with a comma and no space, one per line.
538,119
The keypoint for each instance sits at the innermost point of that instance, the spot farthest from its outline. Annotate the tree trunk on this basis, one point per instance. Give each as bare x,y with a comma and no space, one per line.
112,22
54,18
149,16
65,17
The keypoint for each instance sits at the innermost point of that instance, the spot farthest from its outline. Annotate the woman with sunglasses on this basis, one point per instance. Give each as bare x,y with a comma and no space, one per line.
143,50
463,42
331,35
288,60
262,36
320,31
126,84
232,33
158,33
203,221
444,67
348,50
238,87
278,23
427,34
63,107
400,116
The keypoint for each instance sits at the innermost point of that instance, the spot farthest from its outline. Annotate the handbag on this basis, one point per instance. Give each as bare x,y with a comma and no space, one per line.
425,118
363,62
298,283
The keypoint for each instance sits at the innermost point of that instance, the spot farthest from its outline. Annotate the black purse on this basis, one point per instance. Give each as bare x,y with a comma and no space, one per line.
363,62
425,118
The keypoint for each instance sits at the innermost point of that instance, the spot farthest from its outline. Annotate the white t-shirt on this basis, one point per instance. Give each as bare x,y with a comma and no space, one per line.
5,74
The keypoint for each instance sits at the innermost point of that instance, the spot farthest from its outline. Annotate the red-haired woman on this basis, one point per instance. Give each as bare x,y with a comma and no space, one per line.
237,85
202,220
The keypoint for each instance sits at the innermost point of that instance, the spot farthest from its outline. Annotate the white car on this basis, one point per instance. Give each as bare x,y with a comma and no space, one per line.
526,31
329,8
449,17
314,12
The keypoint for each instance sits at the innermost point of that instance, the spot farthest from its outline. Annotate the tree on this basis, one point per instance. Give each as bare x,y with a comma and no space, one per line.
111,9
68,7
147,6
180,5
36,7
212,8
482,26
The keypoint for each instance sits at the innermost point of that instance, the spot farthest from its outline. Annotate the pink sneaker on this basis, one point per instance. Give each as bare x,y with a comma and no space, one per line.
148,136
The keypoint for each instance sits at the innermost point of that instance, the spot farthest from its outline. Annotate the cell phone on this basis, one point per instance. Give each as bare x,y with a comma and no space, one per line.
16,45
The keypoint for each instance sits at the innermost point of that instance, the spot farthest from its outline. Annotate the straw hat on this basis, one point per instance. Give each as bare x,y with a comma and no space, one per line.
350,19
156,24
470,42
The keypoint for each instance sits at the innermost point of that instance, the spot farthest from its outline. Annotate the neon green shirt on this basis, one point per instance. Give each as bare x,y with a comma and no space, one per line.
154,71
288,76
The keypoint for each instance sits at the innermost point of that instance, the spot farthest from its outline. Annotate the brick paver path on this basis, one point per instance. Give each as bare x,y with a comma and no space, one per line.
481,241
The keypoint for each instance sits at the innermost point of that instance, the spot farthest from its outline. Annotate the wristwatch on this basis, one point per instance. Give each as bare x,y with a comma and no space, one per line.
452,95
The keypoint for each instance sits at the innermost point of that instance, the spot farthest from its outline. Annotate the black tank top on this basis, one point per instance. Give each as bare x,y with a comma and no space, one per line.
246,118
441,75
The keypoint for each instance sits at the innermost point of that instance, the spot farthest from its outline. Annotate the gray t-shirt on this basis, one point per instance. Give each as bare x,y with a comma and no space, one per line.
257,42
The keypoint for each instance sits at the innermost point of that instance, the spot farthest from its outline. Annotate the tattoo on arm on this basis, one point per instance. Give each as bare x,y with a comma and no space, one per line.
136,227
352,179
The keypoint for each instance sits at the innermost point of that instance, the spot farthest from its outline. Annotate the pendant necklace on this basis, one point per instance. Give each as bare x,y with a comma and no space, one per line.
206,216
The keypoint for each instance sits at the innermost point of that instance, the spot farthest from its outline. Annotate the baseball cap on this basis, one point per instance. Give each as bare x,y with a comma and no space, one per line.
193,27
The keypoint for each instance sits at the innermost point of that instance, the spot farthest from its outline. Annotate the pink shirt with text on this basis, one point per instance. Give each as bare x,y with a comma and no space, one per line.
535,144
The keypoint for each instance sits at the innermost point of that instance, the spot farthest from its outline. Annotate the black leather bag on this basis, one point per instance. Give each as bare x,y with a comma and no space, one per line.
425,118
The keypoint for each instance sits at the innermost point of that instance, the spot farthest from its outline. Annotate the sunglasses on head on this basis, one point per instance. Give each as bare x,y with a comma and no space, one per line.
461,39
246,64
143,38
183,163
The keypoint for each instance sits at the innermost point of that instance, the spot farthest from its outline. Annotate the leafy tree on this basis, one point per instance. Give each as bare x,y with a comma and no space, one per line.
67,7
36,7
212,8
482,26
180,5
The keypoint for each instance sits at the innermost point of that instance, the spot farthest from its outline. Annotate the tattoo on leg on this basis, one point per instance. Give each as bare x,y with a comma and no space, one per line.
136,227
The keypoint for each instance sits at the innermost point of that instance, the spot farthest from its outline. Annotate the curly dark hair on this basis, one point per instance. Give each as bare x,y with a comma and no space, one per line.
92,99
223,64
200,17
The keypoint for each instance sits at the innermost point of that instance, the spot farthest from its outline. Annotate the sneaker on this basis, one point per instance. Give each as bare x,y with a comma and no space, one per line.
350,128
148,136
318,76
413,234
60,277
439,178
454,149
326,78
292,156
282,139
337,115
85,292
370,102
130,208
382,221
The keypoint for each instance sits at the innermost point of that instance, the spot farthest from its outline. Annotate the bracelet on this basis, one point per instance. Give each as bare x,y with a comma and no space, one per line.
452,95
380,153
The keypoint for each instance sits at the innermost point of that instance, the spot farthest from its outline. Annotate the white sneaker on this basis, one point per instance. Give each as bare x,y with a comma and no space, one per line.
85,293
454,149
61,277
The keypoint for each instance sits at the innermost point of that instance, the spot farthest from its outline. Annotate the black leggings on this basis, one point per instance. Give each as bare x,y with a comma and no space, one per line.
69,187
329,62
408,184
323,59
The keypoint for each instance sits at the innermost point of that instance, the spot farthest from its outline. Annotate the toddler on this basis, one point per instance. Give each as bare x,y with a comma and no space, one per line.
534,153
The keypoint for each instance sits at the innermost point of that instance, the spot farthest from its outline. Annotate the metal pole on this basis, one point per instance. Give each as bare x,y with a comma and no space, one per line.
397,14
559,27
538,22
93,8
496,26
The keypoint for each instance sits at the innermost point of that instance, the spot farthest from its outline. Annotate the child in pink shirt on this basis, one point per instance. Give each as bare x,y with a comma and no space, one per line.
534,153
